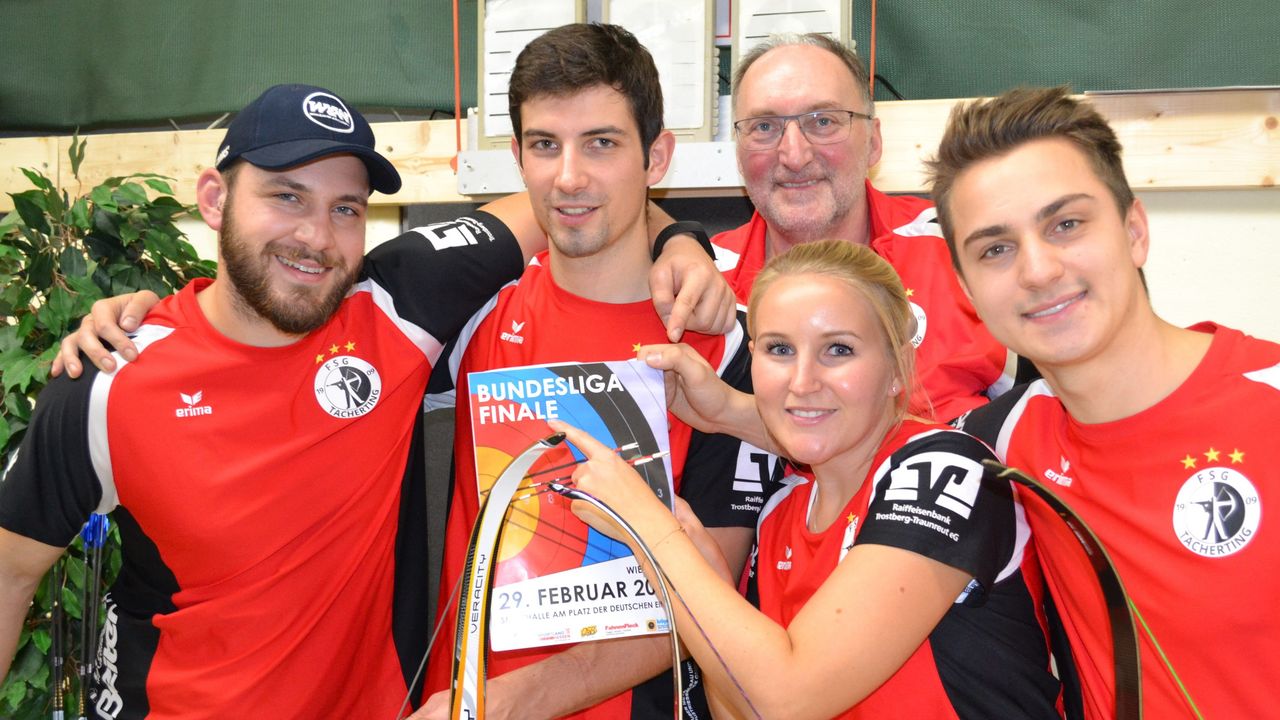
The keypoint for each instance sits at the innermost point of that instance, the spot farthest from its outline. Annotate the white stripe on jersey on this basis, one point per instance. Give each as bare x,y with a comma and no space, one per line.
99,444
789,483
924,224
1267,376
1035,389
423,340
733,340
725,258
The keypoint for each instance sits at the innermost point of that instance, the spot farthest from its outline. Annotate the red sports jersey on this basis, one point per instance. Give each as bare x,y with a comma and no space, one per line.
533,322
958,362
259,495
1177,495
987,658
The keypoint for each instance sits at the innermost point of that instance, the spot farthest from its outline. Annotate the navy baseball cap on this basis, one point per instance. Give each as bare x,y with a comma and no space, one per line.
289,125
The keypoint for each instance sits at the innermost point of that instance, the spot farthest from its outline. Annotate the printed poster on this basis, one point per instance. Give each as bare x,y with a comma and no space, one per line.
558,580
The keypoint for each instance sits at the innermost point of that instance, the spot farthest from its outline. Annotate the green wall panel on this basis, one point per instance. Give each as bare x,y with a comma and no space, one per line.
121,63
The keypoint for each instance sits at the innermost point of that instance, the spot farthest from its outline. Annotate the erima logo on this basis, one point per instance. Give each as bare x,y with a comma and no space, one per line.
785,564
514,335
193,407
1061,478
328,112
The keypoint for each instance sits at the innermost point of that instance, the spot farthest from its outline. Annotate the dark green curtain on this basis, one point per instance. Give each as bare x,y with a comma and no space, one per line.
121,63
947,49
94,63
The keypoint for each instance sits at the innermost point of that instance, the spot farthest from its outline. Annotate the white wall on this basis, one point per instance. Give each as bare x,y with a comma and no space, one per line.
1215,255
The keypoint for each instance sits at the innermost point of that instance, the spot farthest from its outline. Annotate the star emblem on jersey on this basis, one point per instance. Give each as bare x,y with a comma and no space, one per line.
1217,510
347,386
850,532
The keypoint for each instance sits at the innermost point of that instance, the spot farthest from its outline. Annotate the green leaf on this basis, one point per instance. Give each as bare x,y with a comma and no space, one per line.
40,272
27,663
84,287
15,692
71,603
42,639
18,375
80,214
161,244
26,325
72,263
76,153
132,193
55,314
38,179
75,574
160,186
18,406
31,206
103,197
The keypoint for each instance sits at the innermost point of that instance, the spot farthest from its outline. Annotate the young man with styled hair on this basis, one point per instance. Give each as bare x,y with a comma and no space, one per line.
586,107
1157,436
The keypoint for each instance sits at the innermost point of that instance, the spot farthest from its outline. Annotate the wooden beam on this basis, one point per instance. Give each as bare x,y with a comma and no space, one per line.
1202,139
1183,140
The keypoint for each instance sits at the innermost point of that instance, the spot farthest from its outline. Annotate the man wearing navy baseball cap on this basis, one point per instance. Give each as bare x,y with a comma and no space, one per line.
290,125
253,450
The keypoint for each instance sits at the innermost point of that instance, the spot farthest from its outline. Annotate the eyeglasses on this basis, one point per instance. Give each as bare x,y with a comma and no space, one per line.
822,127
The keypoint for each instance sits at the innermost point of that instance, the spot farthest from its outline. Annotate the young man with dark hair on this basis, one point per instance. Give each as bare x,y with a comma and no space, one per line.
1158,437
807,137
587,111
254,451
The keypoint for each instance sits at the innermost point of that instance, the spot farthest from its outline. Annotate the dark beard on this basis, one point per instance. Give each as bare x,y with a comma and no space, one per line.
297,311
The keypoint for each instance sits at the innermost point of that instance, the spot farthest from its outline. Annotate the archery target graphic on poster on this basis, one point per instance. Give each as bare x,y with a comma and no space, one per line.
557,580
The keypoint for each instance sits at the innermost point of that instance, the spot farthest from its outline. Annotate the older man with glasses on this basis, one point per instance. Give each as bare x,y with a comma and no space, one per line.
807,136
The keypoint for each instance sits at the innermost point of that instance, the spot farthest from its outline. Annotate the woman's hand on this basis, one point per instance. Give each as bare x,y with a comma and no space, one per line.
697,395
607,477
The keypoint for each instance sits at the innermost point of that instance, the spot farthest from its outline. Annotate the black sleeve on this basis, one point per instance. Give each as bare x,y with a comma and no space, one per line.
986,422
934,497
726,481
51,488
439,275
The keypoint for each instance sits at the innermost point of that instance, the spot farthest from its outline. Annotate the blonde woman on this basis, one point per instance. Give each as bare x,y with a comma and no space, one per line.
887,579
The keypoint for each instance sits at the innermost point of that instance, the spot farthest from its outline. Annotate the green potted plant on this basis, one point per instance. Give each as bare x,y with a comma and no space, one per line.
58,254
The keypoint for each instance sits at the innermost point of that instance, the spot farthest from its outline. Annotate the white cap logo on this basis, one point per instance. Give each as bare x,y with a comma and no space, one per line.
328,112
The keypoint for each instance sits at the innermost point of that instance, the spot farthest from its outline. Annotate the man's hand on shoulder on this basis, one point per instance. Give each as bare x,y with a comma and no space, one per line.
109,321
